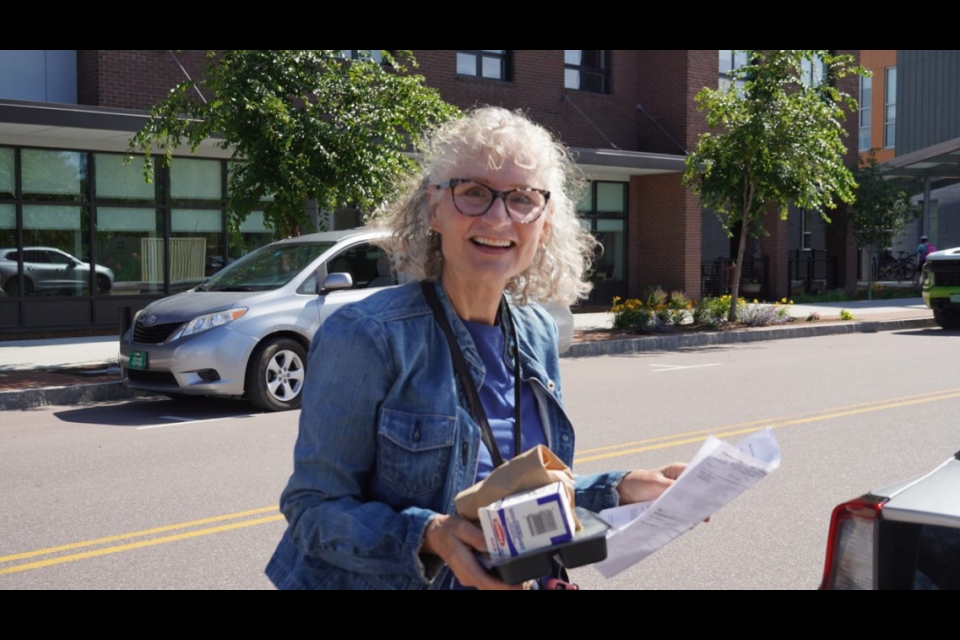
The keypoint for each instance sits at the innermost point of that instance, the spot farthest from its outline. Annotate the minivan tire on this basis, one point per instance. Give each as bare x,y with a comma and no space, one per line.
275,375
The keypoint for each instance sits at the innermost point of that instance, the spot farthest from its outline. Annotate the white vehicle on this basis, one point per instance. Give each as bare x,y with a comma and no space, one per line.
246,330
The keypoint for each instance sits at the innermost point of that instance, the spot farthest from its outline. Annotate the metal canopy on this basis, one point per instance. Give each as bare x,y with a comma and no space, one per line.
931,167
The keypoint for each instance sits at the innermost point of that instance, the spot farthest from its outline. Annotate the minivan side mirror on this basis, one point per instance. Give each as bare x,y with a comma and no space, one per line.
336,282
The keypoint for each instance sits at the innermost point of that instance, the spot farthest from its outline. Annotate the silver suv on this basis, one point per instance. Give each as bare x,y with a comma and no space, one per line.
246,330
49,270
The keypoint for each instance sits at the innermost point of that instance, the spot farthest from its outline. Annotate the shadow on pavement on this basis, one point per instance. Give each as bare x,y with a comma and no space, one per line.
156,411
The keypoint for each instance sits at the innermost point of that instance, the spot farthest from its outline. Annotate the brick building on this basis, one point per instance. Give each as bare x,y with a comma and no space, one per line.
629,115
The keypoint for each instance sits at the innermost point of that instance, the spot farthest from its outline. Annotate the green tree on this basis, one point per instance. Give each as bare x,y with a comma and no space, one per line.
776,140
881,210
303,125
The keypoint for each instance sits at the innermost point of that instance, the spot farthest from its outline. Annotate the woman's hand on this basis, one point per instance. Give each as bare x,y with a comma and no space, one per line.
647,484
455,540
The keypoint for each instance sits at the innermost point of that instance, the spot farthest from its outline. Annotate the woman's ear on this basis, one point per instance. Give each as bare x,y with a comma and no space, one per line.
545,233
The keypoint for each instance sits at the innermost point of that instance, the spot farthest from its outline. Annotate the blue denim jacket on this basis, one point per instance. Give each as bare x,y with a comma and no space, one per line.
387,441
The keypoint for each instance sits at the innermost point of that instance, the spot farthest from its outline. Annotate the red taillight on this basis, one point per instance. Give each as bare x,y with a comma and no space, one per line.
850,547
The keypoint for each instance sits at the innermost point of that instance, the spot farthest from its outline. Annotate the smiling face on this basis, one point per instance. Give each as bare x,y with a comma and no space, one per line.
485,252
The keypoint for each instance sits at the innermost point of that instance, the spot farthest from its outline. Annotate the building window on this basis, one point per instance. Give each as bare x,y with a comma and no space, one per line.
866,113
807,218
363,54
586,70
731,59
813,72
488,63
890,109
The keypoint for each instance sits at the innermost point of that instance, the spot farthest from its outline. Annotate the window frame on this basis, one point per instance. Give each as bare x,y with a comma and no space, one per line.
889,124
738,58
505,58
866,115
603,71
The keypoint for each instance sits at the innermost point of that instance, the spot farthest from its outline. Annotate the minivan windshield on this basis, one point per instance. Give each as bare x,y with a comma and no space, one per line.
266,268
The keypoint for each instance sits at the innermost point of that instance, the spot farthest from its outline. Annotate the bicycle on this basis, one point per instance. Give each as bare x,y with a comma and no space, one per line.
903,268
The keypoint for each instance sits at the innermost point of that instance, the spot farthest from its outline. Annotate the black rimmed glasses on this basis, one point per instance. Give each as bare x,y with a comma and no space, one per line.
472,198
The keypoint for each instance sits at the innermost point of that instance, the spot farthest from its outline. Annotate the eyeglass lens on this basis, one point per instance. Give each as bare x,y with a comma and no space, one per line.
475,199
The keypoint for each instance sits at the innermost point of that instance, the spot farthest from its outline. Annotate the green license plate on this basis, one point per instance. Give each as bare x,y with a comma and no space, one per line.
138,360
955,298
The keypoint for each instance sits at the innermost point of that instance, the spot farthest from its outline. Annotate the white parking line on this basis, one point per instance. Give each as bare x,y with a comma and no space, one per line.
178,421
670,367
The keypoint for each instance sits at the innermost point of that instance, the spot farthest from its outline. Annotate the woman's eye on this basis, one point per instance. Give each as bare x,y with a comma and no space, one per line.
475,192
521,199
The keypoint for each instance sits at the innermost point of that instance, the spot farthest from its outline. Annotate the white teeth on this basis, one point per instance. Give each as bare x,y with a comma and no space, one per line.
493,242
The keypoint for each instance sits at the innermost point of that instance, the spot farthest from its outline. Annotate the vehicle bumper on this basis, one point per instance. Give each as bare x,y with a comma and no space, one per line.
939,297
185,365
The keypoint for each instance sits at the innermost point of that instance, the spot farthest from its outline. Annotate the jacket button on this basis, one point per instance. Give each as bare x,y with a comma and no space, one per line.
464,452
551,385
416,433
565,437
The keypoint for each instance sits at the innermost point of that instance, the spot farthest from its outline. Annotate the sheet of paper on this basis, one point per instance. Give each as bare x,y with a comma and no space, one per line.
717,474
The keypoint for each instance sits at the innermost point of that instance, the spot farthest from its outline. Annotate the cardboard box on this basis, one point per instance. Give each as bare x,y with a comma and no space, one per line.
528,521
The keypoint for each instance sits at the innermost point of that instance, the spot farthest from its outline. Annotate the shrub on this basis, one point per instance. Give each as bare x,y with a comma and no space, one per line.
716,310
630,314
846,315
763,315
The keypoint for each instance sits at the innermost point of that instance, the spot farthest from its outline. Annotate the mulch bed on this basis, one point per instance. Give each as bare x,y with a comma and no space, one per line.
15,380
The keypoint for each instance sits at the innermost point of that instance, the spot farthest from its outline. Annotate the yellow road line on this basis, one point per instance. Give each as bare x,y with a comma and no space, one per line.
138,545
726,431
135,534
767,421
651,444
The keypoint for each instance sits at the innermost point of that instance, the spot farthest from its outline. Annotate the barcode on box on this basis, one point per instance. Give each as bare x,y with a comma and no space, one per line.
542,522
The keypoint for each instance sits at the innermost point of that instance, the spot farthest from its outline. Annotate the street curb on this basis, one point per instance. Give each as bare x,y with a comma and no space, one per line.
77,394
703,339
106,391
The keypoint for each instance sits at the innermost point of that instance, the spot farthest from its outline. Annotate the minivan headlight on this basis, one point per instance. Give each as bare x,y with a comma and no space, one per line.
209,321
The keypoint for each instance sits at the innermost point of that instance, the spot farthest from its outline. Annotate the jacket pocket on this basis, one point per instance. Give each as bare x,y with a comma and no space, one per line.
413,455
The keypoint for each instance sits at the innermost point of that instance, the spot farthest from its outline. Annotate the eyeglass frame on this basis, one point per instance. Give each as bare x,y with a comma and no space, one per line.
453,182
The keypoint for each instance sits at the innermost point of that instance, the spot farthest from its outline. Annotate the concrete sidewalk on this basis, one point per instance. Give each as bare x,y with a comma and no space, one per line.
74,370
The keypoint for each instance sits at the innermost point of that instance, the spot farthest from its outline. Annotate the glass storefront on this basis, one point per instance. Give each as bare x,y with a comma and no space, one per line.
85,227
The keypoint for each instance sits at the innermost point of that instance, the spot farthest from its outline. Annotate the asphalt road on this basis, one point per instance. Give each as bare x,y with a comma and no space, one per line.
158,494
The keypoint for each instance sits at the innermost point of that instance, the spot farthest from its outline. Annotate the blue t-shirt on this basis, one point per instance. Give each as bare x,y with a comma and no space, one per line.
497,397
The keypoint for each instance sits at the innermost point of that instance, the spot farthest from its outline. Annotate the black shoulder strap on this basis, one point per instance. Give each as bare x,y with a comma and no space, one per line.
460,365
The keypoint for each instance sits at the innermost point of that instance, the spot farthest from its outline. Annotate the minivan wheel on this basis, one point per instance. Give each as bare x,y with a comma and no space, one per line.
275,375
949,320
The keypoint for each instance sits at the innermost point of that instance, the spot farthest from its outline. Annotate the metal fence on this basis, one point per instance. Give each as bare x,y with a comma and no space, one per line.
812,272
716,277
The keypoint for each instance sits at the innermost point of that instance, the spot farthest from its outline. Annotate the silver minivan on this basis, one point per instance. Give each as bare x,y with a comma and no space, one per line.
246,330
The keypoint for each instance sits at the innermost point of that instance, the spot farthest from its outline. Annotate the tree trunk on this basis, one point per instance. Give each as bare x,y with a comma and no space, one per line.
738,269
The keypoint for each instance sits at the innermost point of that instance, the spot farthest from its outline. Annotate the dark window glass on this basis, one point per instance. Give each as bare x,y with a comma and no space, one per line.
586,70
485,63
938,557
361,262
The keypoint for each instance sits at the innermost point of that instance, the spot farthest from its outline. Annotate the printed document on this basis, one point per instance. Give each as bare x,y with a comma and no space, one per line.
716,475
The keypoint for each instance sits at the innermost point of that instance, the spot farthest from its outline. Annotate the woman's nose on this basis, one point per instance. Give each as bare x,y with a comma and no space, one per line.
498,209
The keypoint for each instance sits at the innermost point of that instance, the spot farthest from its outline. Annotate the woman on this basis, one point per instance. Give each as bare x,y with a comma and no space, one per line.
387,435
